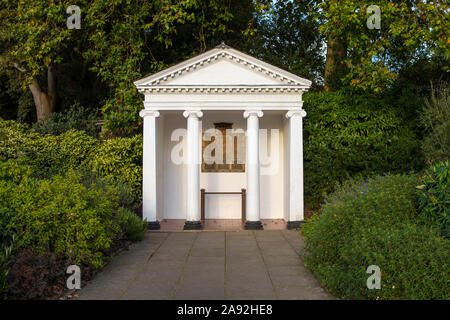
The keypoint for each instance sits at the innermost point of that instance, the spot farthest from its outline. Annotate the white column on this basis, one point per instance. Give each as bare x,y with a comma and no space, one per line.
193,170
296,205
252,168
149,168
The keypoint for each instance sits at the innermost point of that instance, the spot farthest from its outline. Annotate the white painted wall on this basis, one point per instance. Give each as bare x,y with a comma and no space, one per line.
220,206
272,187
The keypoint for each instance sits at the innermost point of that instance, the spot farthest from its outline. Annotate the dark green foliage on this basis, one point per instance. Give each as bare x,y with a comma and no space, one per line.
131,225
120,161
290,38
63,216
48,154
75,118
435,119
6,249
7,240
348,133
434,198
65,189
59,195
374,222
415,83
5,234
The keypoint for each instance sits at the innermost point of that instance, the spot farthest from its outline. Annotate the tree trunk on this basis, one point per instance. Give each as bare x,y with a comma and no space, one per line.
335,61
45,101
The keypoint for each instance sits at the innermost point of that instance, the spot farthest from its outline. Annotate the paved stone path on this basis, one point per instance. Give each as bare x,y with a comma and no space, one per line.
208,265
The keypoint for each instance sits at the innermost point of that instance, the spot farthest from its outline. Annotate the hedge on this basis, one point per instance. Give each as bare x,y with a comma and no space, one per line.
374,222
346,134
118,160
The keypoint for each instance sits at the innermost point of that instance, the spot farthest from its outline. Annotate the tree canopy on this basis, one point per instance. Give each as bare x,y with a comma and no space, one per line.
327,41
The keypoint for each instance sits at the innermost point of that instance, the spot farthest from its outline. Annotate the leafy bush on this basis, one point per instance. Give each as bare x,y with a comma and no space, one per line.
374,222
48,154
5,234
347,134
6,250
434,197
59,195
57,154
14,138
436,120
75,118
63,216
120,161
7,241
131,225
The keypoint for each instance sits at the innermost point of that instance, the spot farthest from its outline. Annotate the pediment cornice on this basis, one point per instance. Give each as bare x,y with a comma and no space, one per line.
283,81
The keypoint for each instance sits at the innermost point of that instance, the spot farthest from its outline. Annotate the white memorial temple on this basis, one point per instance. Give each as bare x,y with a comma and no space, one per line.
223,140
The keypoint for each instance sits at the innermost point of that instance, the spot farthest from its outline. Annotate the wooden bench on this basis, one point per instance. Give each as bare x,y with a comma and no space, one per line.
202,201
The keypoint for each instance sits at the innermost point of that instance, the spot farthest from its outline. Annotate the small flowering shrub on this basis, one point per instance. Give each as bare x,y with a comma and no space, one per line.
434,198
374,222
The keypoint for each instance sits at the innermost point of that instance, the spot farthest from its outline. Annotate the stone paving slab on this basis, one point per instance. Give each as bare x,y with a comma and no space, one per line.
233,265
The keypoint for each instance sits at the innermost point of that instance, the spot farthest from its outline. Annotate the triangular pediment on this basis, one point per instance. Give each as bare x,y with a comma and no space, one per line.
223,72
223,67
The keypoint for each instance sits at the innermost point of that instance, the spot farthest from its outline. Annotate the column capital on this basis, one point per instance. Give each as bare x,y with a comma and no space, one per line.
257,113
149,113
292,113
193,114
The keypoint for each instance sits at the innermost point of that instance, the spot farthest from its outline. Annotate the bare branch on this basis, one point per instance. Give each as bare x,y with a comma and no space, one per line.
16,65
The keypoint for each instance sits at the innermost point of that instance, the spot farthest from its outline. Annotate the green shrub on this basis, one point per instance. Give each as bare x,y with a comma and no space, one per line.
75,118
48,154
347,134
434,197
57,154
6,249
435,119
7,240
131,225
120,161
6,235
63,216
374,222
15,139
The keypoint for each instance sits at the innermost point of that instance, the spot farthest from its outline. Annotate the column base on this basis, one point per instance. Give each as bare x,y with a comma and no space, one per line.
153,225
192,225
253,225
294,224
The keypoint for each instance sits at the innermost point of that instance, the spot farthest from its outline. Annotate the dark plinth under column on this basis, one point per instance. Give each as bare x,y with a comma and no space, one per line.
294,224
153,225
192,225
253,225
